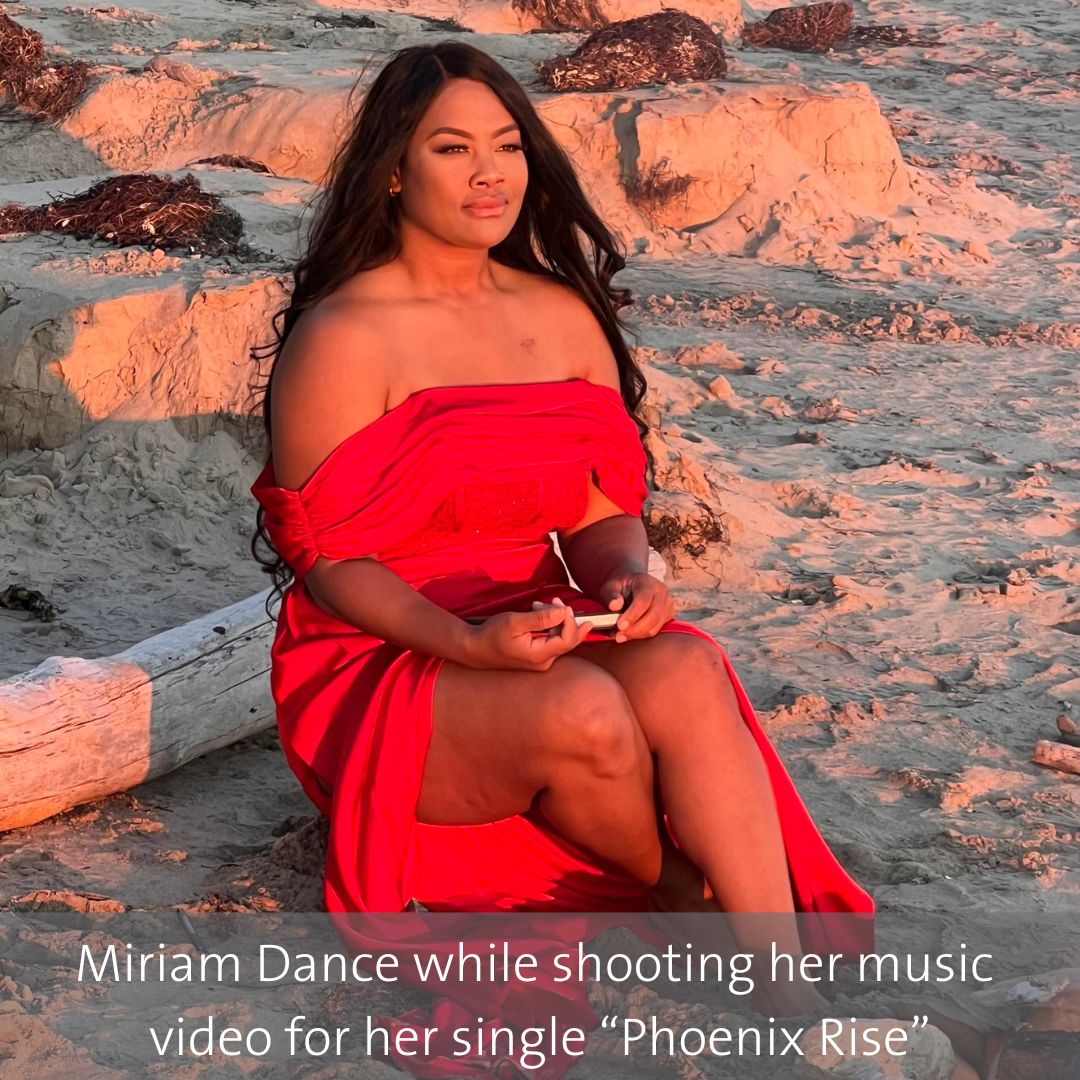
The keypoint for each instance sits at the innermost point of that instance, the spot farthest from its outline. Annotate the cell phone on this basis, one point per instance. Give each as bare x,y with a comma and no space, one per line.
605,621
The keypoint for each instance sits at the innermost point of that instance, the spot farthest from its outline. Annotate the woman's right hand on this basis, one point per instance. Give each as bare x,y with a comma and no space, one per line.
525,640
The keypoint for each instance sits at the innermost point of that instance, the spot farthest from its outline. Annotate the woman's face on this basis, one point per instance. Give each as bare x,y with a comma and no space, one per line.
449,179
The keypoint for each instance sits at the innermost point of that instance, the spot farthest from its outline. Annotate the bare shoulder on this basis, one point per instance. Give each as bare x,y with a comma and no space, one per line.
328,382
581,332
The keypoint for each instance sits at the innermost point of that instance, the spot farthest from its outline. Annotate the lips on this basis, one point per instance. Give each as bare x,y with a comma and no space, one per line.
485,204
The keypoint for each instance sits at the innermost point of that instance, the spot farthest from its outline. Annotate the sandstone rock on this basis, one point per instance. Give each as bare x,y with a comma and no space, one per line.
521,16
748,146
153,121
733,153
72,354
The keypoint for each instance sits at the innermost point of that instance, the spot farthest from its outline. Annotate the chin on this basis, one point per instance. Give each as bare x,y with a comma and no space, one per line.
487,237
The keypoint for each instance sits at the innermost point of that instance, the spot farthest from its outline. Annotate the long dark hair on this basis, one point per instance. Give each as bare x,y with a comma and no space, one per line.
356,224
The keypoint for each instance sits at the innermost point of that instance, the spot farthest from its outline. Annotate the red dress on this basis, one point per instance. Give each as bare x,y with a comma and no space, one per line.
457,489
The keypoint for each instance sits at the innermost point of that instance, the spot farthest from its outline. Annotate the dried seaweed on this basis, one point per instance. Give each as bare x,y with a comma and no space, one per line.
233,161
345,22
668,46
811,28
563,14
691,533
136,208
656,185
448,25
20,598
46,89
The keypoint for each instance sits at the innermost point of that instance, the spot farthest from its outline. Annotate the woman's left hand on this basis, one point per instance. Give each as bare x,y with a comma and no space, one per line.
650,606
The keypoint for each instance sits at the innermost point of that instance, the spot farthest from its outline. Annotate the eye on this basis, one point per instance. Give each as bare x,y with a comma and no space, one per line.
462,146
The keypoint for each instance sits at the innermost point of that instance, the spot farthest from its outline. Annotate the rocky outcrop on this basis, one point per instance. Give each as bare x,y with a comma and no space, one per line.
652,159
521,16
175,346
755,143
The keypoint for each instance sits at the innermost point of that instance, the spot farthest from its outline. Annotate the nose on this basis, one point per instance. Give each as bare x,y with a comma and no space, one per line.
488,170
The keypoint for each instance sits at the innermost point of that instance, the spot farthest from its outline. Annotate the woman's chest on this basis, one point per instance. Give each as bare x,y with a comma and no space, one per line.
526,508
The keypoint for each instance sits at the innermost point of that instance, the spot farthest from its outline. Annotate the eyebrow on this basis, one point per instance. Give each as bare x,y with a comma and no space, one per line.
467,135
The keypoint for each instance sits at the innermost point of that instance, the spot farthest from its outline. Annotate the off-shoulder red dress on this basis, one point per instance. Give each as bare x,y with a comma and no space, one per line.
457,490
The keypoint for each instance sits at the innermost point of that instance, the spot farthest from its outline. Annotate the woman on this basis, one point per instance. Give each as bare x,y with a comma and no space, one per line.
450,386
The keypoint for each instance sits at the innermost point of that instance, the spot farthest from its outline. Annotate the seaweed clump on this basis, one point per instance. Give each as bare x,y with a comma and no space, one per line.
46,89
814,28
668,46
563,14
136,208
820,27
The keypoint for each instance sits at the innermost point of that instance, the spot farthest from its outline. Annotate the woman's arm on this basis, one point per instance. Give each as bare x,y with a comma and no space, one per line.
372,597
327,384
605,544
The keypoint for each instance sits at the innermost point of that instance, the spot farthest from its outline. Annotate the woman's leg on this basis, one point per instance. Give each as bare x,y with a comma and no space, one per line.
719,800
564,739
716,791
714,783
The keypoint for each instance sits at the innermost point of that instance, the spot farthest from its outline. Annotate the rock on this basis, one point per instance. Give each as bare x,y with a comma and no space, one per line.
66,900
184,355
51,463
1055,755
29,485
177,70
721,388
714,353
30,1050
672,395
748,146
161,491
521,16
722,138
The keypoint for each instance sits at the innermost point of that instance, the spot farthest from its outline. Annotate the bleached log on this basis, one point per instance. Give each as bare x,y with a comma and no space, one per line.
75,730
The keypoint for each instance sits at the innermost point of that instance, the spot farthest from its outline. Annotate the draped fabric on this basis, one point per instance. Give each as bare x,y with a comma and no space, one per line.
457,490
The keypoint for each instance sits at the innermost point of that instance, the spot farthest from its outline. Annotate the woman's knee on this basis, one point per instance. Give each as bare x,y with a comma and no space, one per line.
590,719
683,668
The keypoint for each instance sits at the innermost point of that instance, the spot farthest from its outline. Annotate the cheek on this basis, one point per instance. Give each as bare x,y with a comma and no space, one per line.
436,192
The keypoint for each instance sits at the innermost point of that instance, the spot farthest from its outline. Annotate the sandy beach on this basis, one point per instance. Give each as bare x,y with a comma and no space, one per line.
861,330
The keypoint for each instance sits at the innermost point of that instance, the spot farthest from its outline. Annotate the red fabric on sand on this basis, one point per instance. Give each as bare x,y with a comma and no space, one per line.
457,489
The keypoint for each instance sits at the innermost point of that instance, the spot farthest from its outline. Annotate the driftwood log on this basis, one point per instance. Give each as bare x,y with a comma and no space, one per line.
74,730
1056,755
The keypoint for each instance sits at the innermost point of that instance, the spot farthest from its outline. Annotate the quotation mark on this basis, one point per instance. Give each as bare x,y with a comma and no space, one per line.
920,1022
609,1021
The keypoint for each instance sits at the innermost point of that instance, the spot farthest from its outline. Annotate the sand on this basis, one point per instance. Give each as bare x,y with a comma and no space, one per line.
863,391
